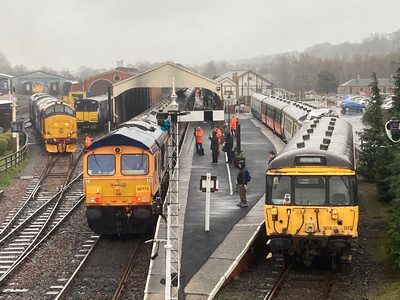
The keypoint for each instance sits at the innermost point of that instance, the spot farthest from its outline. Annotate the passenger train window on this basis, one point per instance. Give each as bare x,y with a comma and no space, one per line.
281,188
339,190
134,164
101,164
310,190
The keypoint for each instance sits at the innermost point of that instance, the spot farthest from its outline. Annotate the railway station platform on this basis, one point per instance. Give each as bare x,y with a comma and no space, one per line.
210,258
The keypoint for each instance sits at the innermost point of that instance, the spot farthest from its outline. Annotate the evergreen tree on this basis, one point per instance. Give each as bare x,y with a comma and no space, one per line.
395,110
372,138
327,82
392,245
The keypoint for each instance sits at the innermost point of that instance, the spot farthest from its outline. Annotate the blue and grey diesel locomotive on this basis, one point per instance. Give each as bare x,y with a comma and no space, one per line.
125,171
92,113
56,122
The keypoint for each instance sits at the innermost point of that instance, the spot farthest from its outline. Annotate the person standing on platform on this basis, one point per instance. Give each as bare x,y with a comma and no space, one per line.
242,184
219,134
228,144
199,139
233,126
271,156
214,147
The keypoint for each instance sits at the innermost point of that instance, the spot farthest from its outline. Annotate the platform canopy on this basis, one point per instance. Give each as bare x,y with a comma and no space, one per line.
161,76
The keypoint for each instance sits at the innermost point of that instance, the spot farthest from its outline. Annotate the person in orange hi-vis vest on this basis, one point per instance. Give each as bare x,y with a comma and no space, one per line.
199,139
233,126
88,140
219,134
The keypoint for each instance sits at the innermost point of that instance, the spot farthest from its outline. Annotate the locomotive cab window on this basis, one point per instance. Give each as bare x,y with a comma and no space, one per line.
134,164
69,110
339,190
101,164
280,189
310,190
59,108
49,110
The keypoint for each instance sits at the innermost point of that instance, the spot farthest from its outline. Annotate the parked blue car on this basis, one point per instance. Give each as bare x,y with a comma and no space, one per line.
351,105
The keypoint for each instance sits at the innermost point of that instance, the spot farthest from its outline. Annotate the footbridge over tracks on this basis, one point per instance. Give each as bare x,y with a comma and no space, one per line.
125,92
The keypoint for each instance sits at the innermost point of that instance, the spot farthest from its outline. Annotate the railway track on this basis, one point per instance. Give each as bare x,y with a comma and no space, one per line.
48,201
113,268
311,283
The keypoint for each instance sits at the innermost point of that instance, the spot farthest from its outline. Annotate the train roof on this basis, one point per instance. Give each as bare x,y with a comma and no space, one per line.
143,131
137,134
322,141
3,102
95,98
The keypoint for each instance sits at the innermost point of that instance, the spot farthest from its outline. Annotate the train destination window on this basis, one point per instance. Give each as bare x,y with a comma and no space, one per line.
101,164
310,190
134,164
310,160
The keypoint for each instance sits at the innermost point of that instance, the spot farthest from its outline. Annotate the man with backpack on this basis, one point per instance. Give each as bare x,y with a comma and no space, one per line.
242,179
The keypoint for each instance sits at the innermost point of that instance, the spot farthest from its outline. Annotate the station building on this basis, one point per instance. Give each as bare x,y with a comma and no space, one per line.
241,84
361,86
39,82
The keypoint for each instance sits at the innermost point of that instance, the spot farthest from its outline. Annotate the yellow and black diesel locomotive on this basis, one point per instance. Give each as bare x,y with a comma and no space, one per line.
56,122
311,207
125,171
92,113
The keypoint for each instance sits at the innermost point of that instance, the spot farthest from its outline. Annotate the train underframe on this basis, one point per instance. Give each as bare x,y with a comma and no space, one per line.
308,249
120,220
56,145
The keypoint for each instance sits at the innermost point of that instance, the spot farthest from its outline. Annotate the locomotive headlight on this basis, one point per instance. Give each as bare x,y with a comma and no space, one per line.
310,228
55,124
66,124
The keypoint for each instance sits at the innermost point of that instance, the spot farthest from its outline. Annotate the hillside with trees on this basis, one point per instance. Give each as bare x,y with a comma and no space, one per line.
293,71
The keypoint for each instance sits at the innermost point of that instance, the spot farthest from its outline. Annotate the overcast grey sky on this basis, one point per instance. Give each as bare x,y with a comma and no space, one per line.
66,34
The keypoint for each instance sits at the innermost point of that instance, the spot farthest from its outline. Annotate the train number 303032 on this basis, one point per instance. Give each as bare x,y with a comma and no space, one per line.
344,227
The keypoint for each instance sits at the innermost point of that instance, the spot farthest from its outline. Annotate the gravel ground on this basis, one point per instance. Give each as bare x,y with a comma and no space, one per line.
56,258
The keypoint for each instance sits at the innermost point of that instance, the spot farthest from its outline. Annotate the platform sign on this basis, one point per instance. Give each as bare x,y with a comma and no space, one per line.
213,184
208,184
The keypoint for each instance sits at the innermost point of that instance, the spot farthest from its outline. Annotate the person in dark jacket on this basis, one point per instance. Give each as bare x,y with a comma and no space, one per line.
271,156
214,147
242,184
228,144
